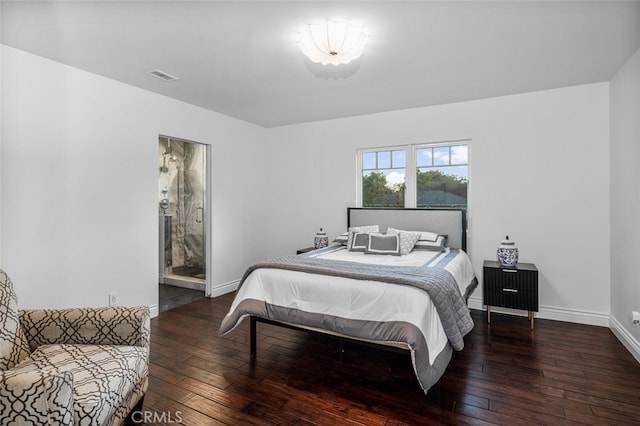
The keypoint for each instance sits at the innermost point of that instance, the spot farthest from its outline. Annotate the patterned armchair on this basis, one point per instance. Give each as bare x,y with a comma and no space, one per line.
71,366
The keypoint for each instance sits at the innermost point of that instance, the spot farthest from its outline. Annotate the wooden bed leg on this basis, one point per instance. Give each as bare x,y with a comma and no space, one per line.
252,338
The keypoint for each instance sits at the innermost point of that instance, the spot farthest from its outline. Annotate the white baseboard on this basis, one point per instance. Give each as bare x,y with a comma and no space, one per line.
225,288
552,313
153,309
629,342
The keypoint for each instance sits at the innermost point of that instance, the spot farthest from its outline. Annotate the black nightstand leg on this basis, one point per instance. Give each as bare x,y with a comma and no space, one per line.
252,337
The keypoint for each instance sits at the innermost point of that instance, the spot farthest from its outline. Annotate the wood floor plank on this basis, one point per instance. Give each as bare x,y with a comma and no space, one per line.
559,373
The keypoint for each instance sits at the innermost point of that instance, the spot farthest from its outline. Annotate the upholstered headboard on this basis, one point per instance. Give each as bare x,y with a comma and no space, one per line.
451,222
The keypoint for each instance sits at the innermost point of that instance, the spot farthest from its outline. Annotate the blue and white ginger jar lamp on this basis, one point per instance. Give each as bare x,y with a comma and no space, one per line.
508,253
321,240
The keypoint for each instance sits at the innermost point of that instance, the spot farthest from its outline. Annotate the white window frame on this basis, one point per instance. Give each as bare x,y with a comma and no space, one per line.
410,195
408,157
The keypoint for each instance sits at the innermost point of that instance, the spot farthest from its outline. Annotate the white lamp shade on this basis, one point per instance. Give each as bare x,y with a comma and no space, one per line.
333,42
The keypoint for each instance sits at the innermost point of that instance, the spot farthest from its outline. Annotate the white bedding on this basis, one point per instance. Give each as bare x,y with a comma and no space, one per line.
359,299
461,268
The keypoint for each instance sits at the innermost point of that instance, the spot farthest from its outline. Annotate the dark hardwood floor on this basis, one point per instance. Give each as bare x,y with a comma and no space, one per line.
170,296
560,373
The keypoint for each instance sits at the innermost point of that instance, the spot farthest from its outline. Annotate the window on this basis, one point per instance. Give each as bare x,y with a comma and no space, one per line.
383,175
424,176
442,176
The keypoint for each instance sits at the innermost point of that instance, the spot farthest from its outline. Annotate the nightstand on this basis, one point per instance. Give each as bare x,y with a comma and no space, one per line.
514,287
305,250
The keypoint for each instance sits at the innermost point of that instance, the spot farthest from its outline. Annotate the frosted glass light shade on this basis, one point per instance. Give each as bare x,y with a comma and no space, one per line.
333,42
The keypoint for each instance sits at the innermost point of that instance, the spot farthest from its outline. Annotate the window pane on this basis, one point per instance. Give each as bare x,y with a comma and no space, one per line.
457,171
380,189
384,159
424,157
436,188
459,154
369,160
383,178
441,156
394,177
444,183
398,159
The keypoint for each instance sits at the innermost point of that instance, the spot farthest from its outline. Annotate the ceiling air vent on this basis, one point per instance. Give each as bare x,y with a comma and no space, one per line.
162,75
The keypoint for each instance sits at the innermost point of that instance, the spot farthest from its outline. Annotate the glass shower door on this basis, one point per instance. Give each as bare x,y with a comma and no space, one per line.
182,209
191,221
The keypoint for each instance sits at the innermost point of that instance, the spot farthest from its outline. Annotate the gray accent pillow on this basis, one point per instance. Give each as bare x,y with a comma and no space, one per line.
383,244
363,229
358,241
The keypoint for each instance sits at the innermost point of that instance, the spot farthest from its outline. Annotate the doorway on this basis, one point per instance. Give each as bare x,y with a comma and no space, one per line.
183,217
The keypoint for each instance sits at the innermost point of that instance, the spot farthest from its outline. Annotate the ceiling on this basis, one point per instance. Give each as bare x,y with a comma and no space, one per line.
240,58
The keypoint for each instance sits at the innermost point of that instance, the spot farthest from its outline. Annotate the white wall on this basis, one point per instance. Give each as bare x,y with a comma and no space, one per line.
539,172
79,185
625,202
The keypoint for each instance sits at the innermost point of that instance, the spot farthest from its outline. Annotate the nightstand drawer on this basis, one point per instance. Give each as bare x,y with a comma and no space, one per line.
511,288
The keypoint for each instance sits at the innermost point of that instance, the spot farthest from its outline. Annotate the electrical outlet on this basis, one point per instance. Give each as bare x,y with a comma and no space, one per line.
113,299
635,315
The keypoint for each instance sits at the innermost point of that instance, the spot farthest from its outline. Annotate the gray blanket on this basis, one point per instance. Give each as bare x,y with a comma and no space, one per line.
436,281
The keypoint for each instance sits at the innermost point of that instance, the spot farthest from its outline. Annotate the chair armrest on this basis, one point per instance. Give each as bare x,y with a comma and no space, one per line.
119,325
42,397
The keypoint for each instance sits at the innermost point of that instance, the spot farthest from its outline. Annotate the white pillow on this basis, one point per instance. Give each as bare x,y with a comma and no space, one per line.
427,241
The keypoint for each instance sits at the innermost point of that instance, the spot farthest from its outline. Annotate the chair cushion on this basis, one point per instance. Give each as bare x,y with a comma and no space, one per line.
13,344
103,376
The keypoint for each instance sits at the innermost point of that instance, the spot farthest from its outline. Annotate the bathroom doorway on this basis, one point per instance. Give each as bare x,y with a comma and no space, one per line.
183,215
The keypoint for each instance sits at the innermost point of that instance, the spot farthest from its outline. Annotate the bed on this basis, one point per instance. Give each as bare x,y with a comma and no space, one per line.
413,301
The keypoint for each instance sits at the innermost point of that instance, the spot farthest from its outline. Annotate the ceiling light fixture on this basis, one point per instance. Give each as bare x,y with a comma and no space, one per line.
333,42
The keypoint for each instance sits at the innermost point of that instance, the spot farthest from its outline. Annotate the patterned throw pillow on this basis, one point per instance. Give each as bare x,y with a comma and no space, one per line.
13,344
408,239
